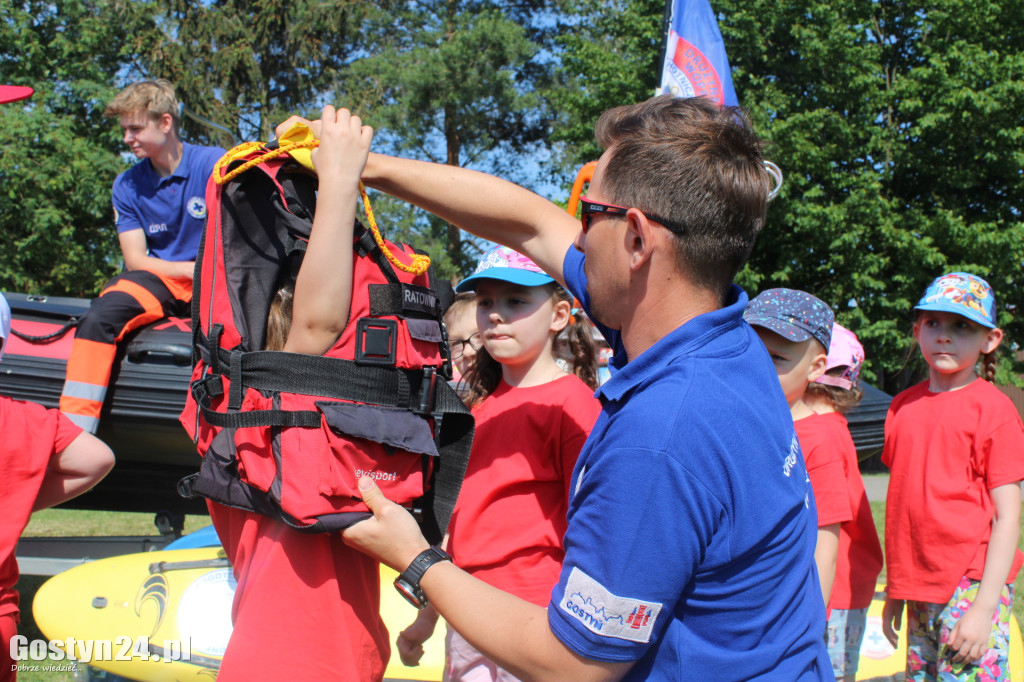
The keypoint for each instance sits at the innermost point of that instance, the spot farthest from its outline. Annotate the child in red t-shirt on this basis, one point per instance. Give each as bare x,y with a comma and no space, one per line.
532,419
955,447
45,460
307,605
860,554
796,328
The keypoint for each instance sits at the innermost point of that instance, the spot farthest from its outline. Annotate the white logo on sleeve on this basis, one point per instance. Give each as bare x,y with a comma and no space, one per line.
602,612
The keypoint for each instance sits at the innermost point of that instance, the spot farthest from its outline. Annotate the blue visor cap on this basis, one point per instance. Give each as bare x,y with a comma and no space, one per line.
792,314
504,264
962,294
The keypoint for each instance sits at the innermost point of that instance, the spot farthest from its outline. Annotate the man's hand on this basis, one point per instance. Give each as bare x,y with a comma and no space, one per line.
391,536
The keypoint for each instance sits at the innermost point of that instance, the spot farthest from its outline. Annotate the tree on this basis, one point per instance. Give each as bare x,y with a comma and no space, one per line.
897,125
456,82
250,65
60,155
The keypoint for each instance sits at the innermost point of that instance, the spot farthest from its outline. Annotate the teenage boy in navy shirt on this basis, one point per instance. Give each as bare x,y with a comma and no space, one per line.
691,526
160,210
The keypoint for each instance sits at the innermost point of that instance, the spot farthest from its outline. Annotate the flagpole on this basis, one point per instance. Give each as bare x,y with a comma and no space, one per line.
666,29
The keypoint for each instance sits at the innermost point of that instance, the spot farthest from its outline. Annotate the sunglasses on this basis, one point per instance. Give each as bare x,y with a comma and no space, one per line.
589,208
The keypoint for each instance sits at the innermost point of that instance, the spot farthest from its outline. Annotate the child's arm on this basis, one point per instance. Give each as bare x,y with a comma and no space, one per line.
970,635
826,553
410,640
74,470
323,288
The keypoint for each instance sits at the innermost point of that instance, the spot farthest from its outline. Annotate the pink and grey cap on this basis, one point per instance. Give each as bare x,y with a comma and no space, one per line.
846,352
504,264
14,93
792,314
963,294
5,323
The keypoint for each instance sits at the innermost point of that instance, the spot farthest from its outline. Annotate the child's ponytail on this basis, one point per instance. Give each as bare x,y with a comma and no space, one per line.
988,366
577,334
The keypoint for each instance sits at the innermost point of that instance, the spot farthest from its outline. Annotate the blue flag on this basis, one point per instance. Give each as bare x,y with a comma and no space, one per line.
695,61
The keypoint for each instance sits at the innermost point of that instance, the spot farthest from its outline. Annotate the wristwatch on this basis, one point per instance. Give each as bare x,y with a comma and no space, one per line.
408,583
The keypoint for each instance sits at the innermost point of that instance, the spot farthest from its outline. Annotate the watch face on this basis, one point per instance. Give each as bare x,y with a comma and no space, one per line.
412,594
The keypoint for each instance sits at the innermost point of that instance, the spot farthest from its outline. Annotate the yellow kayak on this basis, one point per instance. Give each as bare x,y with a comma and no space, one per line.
166,616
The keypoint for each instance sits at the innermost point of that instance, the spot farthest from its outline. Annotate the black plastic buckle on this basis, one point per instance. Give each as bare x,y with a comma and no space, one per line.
424,404
376,341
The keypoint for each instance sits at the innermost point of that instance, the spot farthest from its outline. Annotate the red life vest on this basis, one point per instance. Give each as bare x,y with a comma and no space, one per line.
288,435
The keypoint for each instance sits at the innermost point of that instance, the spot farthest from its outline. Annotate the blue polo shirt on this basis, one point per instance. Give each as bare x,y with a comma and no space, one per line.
171,210
690,546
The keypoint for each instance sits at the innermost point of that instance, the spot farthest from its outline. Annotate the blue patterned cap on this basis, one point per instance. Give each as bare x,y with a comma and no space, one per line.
792,314
963,294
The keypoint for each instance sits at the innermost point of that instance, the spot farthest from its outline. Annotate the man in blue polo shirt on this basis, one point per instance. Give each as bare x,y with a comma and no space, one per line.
690,542
160,210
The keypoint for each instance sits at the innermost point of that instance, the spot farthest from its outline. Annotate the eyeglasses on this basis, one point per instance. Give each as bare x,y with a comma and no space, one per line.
458,346
588,208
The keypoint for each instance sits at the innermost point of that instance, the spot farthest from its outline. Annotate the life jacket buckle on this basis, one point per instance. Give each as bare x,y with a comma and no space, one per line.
376,341
424,403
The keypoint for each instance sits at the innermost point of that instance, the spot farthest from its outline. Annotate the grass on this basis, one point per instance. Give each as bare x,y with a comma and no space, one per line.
70,523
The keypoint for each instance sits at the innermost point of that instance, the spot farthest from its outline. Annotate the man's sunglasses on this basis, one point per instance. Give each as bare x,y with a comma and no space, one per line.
589,208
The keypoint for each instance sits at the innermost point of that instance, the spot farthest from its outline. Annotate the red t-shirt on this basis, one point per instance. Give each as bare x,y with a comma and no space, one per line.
510,518
946,451
860,553
823,456
296,590
32,434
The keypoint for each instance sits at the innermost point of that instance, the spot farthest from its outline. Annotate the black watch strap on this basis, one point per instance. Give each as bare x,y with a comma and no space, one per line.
408,582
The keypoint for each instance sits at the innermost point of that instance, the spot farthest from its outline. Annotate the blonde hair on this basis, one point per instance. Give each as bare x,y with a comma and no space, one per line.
279,319
460,304
155,97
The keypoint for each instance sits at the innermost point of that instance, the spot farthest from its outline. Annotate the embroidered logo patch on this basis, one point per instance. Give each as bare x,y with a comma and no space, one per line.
197,208
602,612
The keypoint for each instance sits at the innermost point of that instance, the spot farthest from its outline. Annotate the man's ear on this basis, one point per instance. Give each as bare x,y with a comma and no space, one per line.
639,238
992,340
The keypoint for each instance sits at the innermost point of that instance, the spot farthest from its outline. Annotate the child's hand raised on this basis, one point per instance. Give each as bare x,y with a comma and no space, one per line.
344,146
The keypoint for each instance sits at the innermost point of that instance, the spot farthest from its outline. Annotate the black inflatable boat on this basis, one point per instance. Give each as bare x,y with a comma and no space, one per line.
151,374
140,418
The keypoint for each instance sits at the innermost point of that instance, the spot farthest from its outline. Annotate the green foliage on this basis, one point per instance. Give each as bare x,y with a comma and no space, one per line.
60,156
455,82
248,65
897,125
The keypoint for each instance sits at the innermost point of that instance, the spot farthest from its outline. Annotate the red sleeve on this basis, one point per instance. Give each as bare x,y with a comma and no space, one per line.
579,413
67,431
1003,450
823,457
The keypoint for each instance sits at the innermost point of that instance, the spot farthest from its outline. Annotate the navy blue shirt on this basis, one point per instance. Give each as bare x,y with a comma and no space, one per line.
690,545
171,210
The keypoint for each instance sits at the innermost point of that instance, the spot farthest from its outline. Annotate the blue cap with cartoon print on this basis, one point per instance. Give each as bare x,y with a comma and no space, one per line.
963,294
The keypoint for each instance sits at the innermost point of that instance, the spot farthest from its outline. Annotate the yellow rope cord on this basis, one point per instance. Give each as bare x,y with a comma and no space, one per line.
419,263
